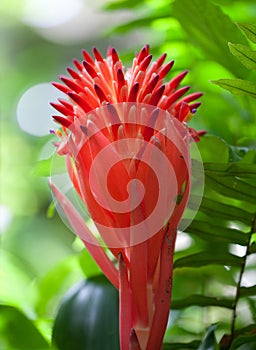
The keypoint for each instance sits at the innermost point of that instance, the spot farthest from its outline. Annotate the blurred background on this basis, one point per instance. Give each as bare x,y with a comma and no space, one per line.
40,257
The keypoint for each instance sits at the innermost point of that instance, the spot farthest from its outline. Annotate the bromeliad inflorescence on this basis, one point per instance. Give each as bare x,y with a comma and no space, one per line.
126,142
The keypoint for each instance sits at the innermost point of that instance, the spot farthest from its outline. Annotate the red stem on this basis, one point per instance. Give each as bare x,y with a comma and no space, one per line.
163,296
125,305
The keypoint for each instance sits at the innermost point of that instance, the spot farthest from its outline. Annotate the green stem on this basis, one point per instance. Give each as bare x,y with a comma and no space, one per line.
243,264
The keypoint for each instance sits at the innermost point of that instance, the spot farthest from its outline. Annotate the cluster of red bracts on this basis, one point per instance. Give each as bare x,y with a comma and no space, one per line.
143,273
102,81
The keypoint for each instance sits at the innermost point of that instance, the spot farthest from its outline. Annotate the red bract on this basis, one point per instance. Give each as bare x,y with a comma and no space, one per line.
126,144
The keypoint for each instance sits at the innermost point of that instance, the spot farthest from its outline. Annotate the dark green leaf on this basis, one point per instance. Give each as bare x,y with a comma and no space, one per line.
249,340
201,300
244,54
217,209
209,342
237,86
208,232
18,331
207,258
88,317
238,169
249,30
210,29
182,346
232,187
248,291
252,249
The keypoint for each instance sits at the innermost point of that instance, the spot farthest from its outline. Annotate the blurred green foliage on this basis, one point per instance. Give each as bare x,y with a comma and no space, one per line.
41,259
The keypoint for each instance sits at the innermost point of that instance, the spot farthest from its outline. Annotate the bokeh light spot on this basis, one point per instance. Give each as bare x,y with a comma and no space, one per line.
34,110
48,13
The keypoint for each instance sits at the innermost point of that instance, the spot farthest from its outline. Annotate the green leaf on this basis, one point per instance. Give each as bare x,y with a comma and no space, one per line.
207,258
18,331
249,340
249,30
176,346
232,187
88,264
43,167
214,208
88,317
248,291
123,4
56,281
210,29
207,231
209,342
237,86
201,300
144,21
213,149
239,169
244,54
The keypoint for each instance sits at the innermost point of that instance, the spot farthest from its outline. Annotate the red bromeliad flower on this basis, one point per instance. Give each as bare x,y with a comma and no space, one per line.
126,142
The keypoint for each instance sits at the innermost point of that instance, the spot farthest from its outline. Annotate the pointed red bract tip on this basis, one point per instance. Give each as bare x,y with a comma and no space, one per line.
71,83
133,93
88,57
102,97
97,55
78,65
161,60
90,70
165,69
143,53
62,109
61,87
155,98
114,54
145,63
73,73
80,101
63,121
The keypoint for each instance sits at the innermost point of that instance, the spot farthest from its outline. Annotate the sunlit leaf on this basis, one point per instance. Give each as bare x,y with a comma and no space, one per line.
144,21
249,30
43,167
207,258
201,300
210,29
18,331
88,265
244,54
213,149
127,4
57,281
209,342
237,86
